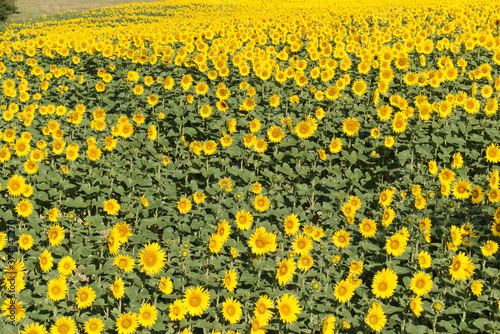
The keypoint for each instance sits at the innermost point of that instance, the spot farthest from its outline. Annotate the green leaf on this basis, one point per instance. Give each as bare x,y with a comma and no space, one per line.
480,323
412,329
352,158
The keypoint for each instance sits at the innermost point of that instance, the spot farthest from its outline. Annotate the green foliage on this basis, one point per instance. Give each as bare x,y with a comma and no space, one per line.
7,7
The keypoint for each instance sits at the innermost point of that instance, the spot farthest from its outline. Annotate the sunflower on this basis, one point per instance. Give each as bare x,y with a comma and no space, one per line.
262,242
28,191
3,240
118,288
72,152
231,310
152,259
5,155
445,189
124,231
66,265
111,206
244,220
255,125
384,283
64,325
368,227
309,230
322,154
490,248
249,140
260,145
114,242
46,261
127,323
356,267
348,209
305,129
177,310
359,87
248,104
22,147
328,326
53,214
184,205
350,126
274,101
456,235
215,243
476,288
302,244
205,111
491,107
461,267
388,216
30,167
58,146
93,326
496,215
385,198
24,208
13,308
138,90
285,271
226,141
471,105
209,147
225,184
376,318
384,112
305,262
477,195
389,141
224,230
416,306
124,262
341,238
399,124
447,176
16,185
291,224
147,315
493,153
461,189
199,198
166,285
421,283
34,328
262,308
25,241
56,235
57,288
230,281
396,245
288,307
257,326
110,143
420,202
343,291
275,134
425,223
85,297
261,203
196,300
494,195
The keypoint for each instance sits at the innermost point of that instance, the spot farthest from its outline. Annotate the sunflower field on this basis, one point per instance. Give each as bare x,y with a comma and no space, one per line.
252,167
